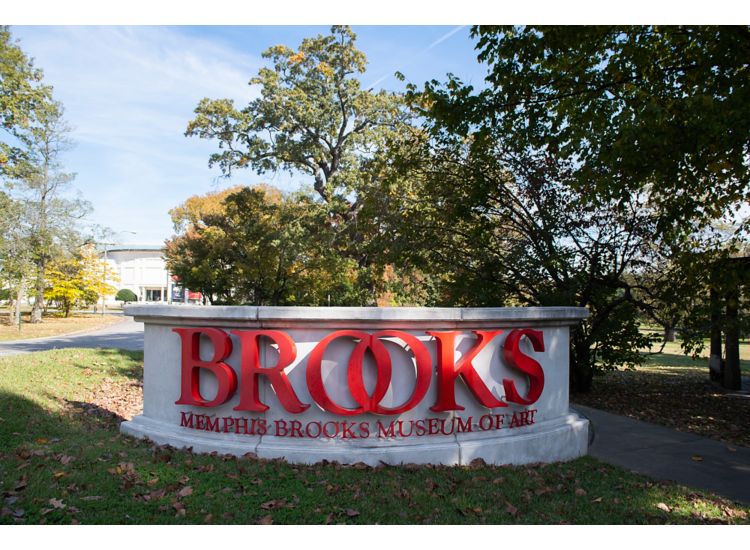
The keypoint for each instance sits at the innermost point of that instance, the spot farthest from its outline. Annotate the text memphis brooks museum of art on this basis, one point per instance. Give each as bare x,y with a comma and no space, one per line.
372,385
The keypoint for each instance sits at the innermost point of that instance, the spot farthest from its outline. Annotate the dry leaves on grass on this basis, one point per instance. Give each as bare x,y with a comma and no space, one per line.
121,398
657,395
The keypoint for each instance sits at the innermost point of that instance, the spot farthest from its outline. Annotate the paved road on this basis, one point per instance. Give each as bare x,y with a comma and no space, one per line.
666,454
125,335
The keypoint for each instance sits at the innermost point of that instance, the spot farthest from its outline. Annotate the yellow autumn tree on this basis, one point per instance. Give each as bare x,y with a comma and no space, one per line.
79,280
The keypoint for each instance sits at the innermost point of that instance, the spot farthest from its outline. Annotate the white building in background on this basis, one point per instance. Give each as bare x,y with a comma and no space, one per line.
142,269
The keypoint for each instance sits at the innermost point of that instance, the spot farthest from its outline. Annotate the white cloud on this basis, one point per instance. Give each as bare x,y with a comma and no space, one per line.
129,93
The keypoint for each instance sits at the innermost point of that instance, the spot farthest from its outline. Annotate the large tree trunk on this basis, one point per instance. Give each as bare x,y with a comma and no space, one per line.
715,367
731,376
581,369
38,308
19,302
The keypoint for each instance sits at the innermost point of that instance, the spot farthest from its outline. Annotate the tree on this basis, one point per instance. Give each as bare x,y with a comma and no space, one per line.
647,108
126,295
15,259
494,226
22,93
594,158
260,247
49,217
79,279
311,117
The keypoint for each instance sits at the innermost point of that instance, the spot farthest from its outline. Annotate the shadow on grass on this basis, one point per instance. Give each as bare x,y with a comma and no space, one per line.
71,465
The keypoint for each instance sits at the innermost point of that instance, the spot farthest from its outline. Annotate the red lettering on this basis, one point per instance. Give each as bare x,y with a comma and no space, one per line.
295,428
368,402
515,358
463,426
485,422
252,370
346,430
309,425
334,430
384,431
241,424
186,420
448,371
212,424
192,363
364,429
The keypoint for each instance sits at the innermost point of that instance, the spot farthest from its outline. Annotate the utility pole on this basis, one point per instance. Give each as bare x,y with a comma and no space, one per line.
104,276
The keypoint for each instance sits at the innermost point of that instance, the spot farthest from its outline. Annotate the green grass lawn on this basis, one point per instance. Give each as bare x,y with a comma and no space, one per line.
673,356
62,460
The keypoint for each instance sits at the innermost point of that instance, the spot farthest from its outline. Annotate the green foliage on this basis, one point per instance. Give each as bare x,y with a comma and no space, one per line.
312,117
658,108
593,161
264,248
126,295
22,93
494,226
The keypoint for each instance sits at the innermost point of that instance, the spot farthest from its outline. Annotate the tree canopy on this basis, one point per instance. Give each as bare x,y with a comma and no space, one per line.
639,108
259,246
312,116
22,93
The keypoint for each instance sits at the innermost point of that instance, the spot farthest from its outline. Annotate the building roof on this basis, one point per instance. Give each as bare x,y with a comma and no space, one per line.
135,247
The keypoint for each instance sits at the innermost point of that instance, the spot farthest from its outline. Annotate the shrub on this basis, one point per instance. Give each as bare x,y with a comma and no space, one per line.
126,295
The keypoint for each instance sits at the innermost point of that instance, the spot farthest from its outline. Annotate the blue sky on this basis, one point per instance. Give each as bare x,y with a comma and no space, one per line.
129,92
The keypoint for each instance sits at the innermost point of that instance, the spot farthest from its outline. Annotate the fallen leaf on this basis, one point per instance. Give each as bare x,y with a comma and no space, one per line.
93,497
21,483
731,449
186,491
180,513
662,506
266,520
580,492
270,505
57,503
58,475
42,440
512,510
65,460
697,458
352,513
598,499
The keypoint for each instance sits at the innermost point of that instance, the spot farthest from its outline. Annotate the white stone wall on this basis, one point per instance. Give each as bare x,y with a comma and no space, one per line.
557,433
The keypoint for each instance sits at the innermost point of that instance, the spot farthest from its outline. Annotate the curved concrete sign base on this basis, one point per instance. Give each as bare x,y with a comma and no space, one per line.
372,385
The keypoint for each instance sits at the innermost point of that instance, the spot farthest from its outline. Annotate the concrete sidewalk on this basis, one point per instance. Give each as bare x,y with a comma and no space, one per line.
666,454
